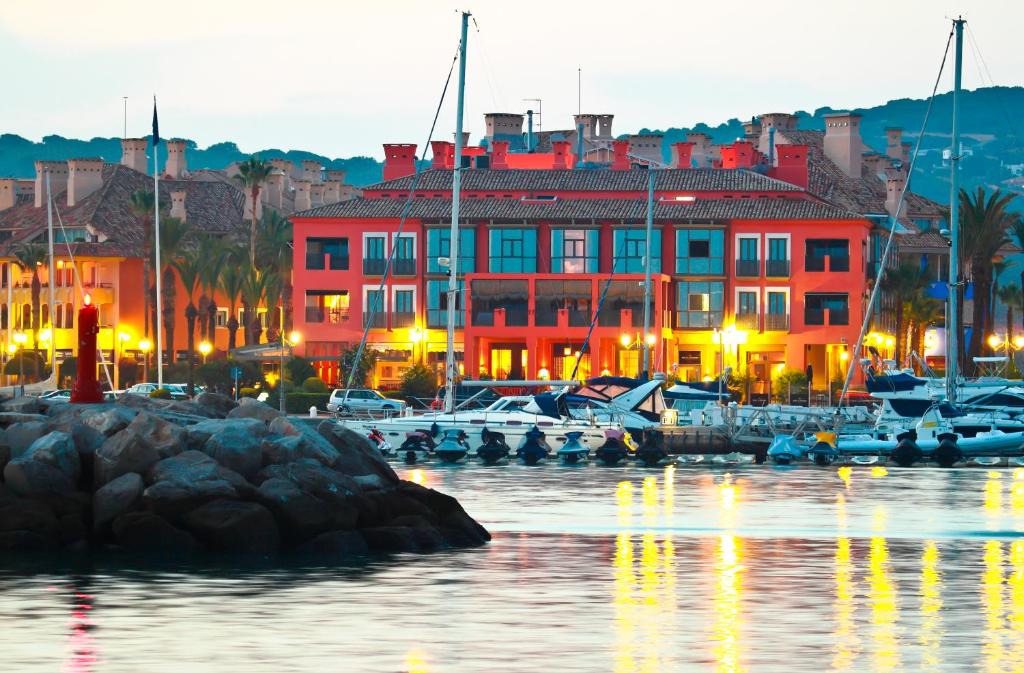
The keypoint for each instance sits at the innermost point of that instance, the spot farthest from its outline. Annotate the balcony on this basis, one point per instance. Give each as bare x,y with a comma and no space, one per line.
698,319
814,316
377,320
315,261
777,268
812,263
404,267
374,266
329,316
438,317
748,268
838,263
403,319
838,316
776,322
748,321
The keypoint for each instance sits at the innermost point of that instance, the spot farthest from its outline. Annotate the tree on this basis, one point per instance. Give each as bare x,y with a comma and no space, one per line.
419,381
142,205
922,312
1017,229
251,174
214,257
1011,298
274,251
254,289
189,266
901,285
362,369
173,235
985,221
231,279
30,256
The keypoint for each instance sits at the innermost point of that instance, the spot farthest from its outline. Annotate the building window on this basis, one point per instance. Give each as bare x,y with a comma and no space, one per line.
438,245
327,253
222,317
837,250
826,308
574,250
777,264
700,251
404,263
747,259
776,318
571,295
699,304
374,312
327,306
513,251
403,309
70,235
437,303
374,259
631,250
510,296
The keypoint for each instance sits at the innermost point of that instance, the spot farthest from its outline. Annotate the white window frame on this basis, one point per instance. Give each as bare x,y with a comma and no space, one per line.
789,244
784,290
376,234
405,234
756,290
373,288
405,288
222,312
736,245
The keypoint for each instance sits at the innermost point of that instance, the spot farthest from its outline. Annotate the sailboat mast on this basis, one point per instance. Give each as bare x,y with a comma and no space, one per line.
50,277
646,372
451,371
952,330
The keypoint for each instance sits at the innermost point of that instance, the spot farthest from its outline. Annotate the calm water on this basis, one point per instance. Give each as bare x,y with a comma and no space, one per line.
591,569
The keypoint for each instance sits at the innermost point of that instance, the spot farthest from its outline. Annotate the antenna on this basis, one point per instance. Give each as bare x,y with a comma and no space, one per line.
125,99
540,112
579,90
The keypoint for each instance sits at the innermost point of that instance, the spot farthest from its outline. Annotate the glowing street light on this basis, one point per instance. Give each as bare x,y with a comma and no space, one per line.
145,345
292,340
205,348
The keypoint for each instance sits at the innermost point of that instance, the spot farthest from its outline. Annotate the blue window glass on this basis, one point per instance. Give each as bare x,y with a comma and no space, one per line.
513,251
776,303
438,246
700,251
777,249
437,304
748,249
699,304
631,248
574,250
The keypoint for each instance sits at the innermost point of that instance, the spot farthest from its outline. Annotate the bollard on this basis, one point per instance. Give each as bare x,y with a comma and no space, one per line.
312,411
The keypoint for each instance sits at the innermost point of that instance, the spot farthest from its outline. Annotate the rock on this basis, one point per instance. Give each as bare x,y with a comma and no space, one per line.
72,530
201,432
233,526
124,452
236,450
10,417
120,496
17,514
26,540
282,426
219,404
299,516
174,499
189,480
109,419
315,479
278,450
392,539
356,454
20,436
250,408
56,449
145,531
87,438
167,439
370,482
32,478
459,528
22,405
5,456
337,545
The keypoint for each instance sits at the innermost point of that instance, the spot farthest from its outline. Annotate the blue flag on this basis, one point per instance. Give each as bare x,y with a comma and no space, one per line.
156,125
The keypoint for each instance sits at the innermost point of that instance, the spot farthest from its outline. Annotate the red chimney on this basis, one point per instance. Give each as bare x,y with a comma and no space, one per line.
444,154
681,155
563,155
738,155
399,161
620,154
499,152
792,167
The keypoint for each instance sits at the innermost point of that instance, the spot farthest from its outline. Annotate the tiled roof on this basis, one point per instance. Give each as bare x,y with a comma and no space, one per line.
212,206
592,180
585,209
863,195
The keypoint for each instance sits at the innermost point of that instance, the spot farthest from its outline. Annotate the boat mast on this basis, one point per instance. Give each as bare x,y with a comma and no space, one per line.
952,331
451,370
646,371
50,278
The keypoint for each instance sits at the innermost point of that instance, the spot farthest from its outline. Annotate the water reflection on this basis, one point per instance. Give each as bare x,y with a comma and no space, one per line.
82,657
992,605
931,607
416,661
882,599
845,650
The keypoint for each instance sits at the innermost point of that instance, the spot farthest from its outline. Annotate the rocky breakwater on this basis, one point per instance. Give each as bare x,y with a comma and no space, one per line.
209,476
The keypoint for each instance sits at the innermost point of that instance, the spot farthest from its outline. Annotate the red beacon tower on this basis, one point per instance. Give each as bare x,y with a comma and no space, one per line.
86,389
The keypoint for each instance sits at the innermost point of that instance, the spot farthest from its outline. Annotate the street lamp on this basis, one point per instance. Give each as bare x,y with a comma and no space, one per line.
145,345
20,338
119,345
205,348
292,340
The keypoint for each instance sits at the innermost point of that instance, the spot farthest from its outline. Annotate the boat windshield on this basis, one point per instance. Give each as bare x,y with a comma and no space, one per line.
507,404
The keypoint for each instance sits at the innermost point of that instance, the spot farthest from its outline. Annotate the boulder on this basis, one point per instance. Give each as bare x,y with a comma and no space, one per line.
10,417
145,531
71,530
32,478
5,456
315,479
337,545
87,438
459,528
200,433
22,405
20,436
393,539
172,500
120,496
188,480
299,516
27,541
234,526
278,450
109,419
124,452
167,439
58,450
356,454
250,408
282,426
221,405
28,515
237,450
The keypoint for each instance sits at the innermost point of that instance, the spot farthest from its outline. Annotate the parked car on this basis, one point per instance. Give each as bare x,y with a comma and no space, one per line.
177,390
55,397
362,399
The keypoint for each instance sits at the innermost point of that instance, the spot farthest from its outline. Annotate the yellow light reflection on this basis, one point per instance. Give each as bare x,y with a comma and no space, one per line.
992,605
623,603
416,662
728,618
845,473
417,477
649,498
882,600
669,491
845,634
931,607
1016,588
624,502
1017,493
879,472
993,495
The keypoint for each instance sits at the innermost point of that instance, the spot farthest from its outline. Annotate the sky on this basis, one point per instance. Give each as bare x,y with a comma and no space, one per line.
340,78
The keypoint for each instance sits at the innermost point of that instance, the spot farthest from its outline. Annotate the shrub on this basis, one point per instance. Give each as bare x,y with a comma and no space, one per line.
299,403
161,394
248,392
313,384
34,364
67,370
216,374
298,369
419,381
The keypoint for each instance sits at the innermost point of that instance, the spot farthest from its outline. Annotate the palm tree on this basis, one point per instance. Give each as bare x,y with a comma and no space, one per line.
921,313
254,289
1011,298
902,284
274,252
188,265
215,256
251,174
230,283
142,205
984,225
1017,229
31,255
173,235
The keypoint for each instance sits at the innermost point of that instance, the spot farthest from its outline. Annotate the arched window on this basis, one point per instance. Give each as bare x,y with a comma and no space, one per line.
26,316
44,319
58,315
69,315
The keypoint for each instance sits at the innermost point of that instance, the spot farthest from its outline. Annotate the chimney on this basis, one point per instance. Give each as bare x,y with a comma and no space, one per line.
588,122
647,147
336,174
133,154
332,191
682,154
893,142
701,149
443,153
905,150
8,193
273,190
876,164
604,127
499,154
504,126
303,198
247,215
773,122
175,166
792,165
843,146
562,149
312,171
738,155
286,167
399,161
620,154
752,130
529,130
58,171
85,176
895,179
316,194
178,204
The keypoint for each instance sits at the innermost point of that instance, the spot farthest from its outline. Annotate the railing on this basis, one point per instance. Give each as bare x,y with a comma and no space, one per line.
747,321
777,268
545,317
609,317
438,317
403,319
838,316
776,322
579,318
374,266
748,268
377,320
698,319
315,261
331,316
516,316
404,267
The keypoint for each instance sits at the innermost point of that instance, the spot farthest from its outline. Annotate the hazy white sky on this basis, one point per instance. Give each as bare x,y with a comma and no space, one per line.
341,77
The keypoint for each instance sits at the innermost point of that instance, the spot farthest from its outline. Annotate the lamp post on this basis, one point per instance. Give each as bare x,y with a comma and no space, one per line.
417,336
1007,345
119,345
20,338
205,348
635,341
292,340
145,345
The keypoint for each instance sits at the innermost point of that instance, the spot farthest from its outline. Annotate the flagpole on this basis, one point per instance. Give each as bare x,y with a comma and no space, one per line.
156,238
